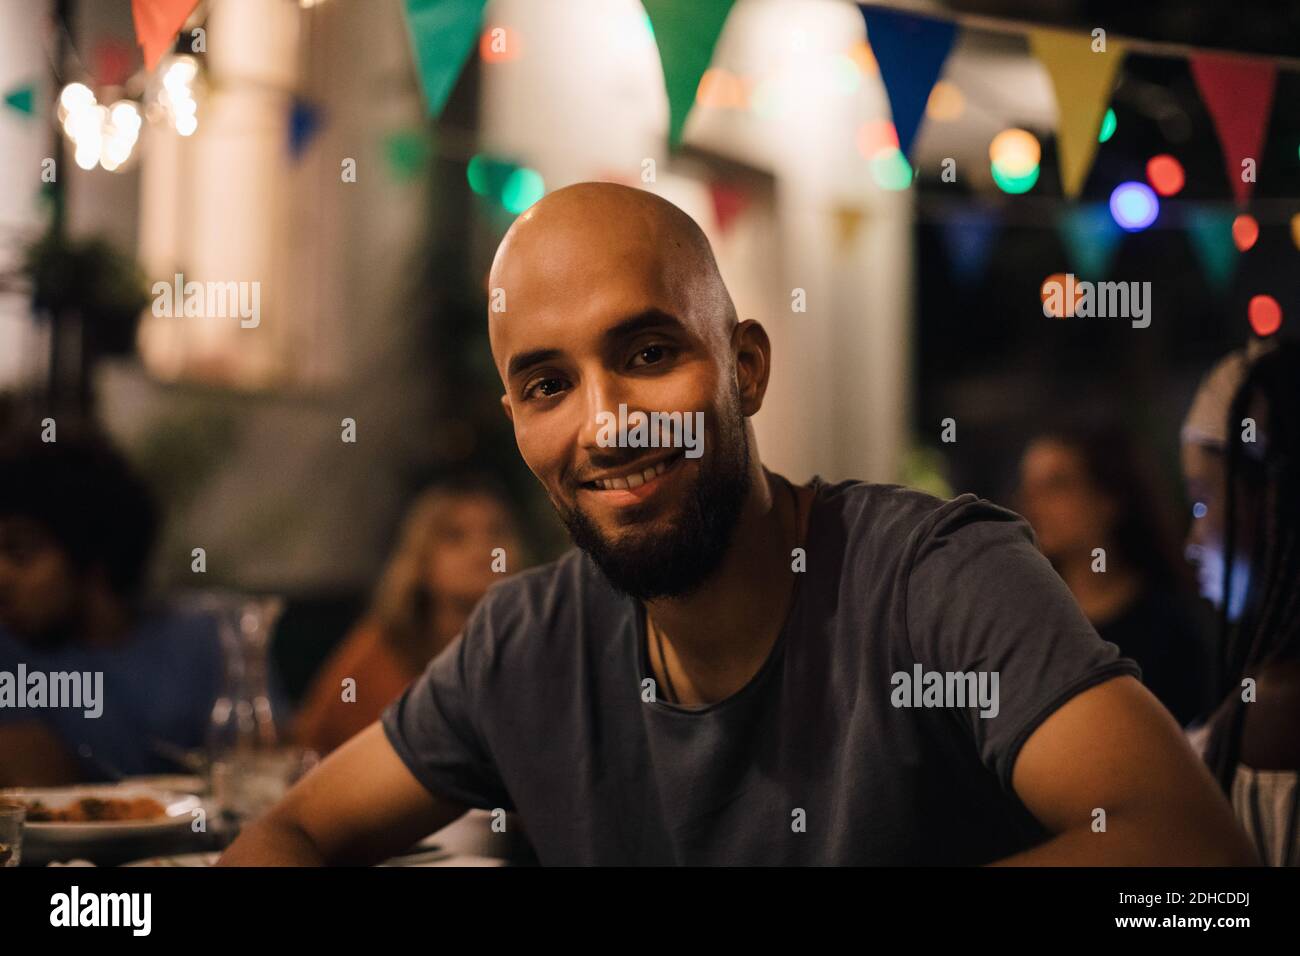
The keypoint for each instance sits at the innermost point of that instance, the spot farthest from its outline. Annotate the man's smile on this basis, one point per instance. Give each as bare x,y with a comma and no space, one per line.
634,483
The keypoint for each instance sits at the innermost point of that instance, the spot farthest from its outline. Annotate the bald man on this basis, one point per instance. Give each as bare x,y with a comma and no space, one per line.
730,668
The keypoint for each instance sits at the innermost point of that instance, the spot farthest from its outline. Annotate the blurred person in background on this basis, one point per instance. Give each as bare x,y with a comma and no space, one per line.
443,565
77,528
1245,542
1085,486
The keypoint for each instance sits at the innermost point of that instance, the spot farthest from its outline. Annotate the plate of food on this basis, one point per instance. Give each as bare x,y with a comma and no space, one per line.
179,859
87,814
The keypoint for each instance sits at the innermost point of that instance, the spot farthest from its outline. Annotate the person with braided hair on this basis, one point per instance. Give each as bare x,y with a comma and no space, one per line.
1241,462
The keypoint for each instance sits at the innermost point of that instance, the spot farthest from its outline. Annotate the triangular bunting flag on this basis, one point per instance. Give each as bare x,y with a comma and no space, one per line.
113,62
1082,81
968,236
686,32
728,203
1210,232
910,51
1238,92
22,99
156,24
442,35
304,123
1090,236
848,220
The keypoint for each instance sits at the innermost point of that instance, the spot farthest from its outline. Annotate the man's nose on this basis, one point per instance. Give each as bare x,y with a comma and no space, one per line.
601,396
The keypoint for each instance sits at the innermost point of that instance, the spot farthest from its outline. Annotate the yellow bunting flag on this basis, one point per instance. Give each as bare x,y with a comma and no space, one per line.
1082,68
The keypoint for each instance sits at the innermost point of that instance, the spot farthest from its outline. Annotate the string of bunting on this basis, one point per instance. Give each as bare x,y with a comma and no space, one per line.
910,50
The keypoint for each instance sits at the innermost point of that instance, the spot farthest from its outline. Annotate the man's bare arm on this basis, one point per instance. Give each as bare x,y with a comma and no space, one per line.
360,806
1113,747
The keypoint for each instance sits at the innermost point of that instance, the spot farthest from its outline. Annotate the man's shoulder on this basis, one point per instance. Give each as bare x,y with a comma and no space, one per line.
553,601
890,518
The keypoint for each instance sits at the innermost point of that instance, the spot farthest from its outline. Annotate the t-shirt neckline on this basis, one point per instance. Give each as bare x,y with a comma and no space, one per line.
774,653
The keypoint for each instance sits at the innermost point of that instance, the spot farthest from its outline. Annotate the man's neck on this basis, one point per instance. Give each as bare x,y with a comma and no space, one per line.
715,640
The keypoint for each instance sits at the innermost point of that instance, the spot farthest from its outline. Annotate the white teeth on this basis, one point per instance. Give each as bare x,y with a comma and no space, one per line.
634,480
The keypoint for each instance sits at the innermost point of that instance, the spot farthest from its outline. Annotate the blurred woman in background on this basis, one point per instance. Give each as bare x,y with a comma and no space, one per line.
1241,462
445,561
1085,487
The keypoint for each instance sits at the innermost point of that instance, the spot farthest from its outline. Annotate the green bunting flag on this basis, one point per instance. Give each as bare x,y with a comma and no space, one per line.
686,32
1210,232
442,36
22,99
1091,237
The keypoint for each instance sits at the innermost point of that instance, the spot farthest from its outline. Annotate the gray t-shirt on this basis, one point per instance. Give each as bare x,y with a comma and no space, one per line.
538,707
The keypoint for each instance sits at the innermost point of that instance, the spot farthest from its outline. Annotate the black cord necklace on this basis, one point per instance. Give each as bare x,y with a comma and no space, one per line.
659,640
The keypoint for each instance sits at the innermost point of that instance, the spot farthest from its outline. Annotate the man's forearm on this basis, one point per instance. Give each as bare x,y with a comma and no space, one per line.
272,842
1137,842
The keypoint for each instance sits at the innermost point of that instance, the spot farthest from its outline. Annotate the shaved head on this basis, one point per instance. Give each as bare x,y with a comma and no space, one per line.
606,301
589,229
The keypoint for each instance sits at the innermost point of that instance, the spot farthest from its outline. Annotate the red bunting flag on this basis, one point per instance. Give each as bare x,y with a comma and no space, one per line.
1238,92
728,203
156,24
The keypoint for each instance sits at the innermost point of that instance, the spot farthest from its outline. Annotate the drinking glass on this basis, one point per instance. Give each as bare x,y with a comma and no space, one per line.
12,817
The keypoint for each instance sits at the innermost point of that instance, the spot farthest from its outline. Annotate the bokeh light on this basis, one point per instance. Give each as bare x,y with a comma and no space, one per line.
1015,152
771,99
1265,315
946,102
1295,230
1054,288
721,89
499,44
1134,206
524,187
1014,184
874,136
844,72
103,136
860,53
1245,232
177,94
1165,174
890,169
1108,126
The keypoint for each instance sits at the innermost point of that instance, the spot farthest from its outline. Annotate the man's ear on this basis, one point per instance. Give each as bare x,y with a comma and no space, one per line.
753,351
505,404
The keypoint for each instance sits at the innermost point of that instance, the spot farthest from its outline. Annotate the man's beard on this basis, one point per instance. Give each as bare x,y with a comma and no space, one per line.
675,562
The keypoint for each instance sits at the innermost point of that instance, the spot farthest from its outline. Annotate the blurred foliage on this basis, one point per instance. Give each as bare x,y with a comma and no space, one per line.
924,468
92,278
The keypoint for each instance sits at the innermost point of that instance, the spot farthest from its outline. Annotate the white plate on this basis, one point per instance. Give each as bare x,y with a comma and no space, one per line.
181,859
178,808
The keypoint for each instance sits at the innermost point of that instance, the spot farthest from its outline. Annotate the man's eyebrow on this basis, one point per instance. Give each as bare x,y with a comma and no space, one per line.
526,360
649,319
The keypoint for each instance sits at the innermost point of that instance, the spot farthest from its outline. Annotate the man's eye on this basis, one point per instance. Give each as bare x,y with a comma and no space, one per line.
547,387
651,354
